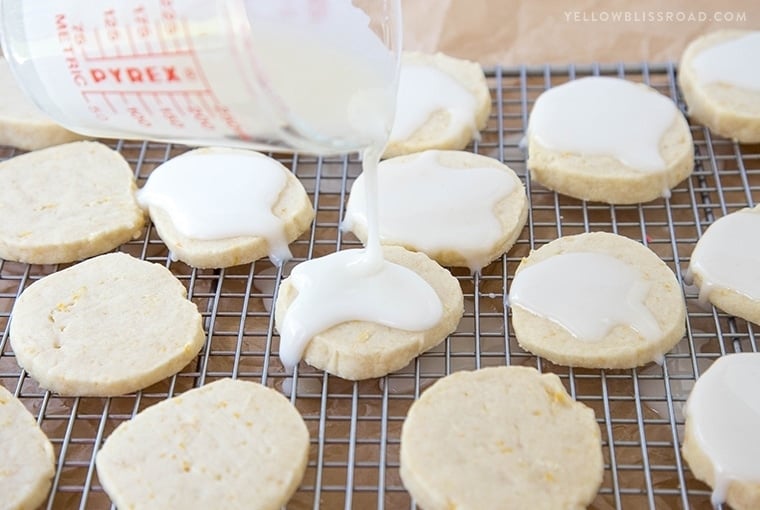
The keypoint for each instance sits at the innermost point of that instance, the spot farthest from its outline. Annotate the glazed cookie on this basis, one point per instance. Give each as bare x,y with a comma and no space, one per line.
719,80
107,326
66,203
596,300
229,444
724,264
608,140
500,437
219,207
27,465
22,124
720,440
418,210
349,337
442,103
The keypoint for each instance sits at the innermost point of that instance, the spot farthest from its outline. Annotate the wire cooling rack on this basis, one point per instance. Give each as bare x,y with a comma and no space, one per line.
355,427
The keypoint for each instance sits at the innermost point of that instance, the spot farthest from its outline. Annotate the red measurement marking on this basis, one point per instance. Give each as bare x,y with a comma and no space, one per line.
160,36
129,92
177,106
99,43
141,98
157,54
87,93
131,41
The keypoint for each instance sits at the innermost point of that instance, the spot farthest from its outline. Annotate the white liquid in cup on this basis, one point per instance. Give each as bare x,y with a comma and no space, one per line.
308,75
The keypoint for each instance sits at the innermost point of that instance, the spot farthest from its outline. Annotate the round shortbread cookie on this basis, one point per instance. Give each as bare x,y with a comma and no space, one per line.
362,350
27,465
586,110
418,210
651,299
22,124
724,264
207,171
500,437
107,326
442,103
229,444
720,437
66,203
726,108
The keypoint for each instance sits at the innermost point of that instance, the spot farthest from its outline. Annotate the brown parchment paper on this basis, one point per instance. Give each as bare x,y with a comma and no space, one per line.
514,32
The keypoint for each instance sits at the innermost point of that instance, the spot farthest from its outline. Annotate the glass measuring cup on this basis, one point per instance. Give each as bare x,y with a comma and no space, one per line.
306,75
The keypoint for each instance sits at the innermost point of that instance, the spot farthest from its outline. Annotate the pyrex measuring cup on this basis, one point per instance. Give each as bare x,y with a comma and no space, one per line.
308,75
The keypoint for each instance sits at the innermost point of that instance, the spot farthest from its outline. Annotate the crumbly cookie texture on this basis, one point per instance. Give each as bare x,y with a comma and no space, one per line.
66,203
28,465
229,444
622,347
728,110
500,437
22,124
107,326
437,132
362,350
293,208
511,212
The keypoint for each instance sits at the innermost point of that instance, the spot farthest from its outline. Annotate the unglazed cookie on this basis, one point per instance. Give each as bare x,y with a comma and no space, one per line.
66,203
469,227
721,84
22,124
501,437
418,300
219,207
722,419
596,300
724,264
229,444
442,103
107,326
27,465
608,140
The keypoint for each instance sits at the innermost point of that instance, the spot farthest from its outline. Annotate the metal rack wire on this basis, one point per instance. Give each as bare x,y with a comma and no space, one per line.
355,427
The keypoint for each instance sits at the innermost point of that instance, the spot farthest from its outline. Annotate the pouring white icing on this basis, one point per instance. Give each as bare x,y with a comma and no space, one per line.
220,194
733,62
355,285
337,288
728,255
586,293
724,411
435,207
604,116
424,90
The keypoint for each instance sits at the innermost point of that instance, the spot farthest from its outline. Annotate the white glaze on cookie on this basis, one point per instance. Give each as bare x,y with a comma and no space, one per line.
434,207
603,116
731,62
211,195
338,288
586,293
424,90
724,411
727,255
